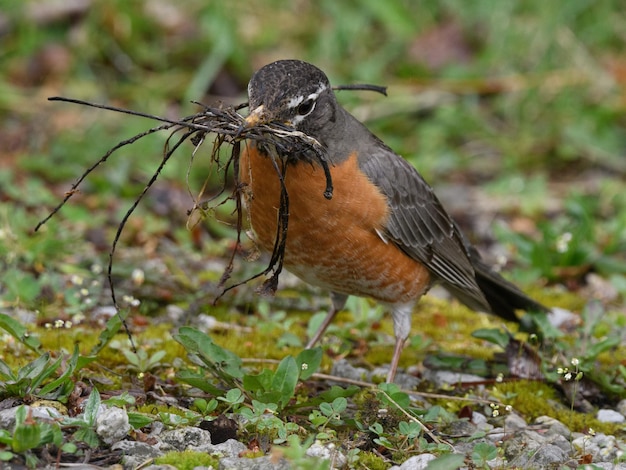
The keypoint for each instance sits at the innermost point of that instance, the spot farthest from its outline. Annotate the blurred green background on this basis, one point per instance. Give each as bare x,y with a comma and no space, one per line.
512,110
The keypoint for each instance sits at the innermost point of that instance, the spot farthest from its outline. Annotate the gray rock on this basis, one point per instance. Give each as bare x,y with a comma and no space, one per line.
621,407
561,442
459,428
481,423
229,449
417,462
610,416
136,453
402,380
553,426
528,449
496,435
184,438
559,317
343,368
444,378
585,445
327,452
513,422
112,424
260,463
608,446
42,413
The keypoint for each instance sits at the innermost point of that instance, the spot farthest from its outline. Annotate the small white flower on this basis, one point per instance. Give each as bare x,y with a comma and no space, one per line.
562,243
96,268
138,276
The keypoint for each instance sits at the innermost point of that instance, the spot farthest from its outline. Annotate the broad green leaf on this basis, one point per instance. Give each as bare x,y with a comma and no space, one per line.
309,362
34,368
139,420
19,332
257,383
199,381
25,435
493,335
285,379
92,406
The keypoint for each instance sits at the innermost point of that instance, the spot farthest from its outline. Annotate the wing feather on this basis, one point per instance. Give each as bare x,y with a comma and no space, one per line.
419,225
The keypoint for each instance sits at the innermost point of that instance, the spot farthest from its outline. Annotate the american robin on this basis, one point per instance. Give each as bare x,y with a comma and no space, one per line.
383,234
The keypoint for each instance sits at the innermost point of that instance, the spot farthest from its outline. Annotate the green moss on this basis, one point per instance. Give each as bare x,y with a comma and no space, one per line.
532,399
188,460
370,461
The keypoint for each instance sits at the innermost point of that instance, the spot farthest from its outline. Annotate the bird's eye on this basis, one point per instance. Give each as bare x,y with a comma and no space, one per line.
306,107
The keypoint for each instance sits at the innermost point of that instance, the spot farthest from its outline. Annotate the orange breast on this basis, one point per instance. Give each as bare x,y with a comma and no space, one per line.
331,243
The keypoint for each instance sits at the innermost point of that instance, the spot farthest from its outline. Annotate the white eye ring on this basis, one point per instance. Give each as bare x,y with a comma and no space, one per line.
306,107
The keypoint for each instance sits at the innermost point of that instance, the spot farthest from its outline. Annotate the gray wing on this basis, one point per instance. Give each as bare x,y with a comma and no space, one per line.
419,225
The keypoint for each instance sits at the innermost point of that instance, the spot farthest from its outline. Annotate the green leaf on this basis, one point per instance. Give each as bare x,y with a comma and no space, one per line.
47,372
447,462
285,379
224,363
113,325
27,434
233,396
393,391
124,399
309,362
483,452
493,335
199,381
258,383
91,407
340,404
19,332
139,420
88,436
63,378
34,368
601,346
335,392
6,374
326,409
547,329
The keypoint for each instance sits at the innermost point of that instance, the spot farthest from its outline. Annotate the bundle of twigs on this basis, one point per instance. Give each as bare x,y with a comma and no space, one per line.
226,126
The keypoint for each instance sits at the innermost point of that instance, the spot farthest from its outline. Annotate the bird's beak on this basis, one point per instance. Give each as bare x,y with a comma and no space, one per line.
256,116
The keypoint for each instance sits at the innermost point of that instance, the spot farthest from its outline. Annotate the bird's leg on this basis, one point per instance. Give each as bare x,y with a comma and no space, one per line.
339,301
393,367
401,314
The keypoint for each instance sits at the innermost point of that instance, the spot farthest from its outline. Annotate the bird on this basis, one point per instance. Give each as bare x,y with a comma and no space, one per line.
383,234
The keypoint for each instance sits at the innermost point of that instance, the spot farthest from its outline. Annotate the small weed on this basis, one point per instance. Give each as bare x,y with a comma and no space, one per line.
328,414
36,378
29,434
86,421
573,243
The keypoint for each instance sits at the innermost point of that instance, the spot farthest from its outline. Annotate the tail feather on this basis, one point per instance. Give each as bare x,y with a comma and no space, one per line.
503,297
